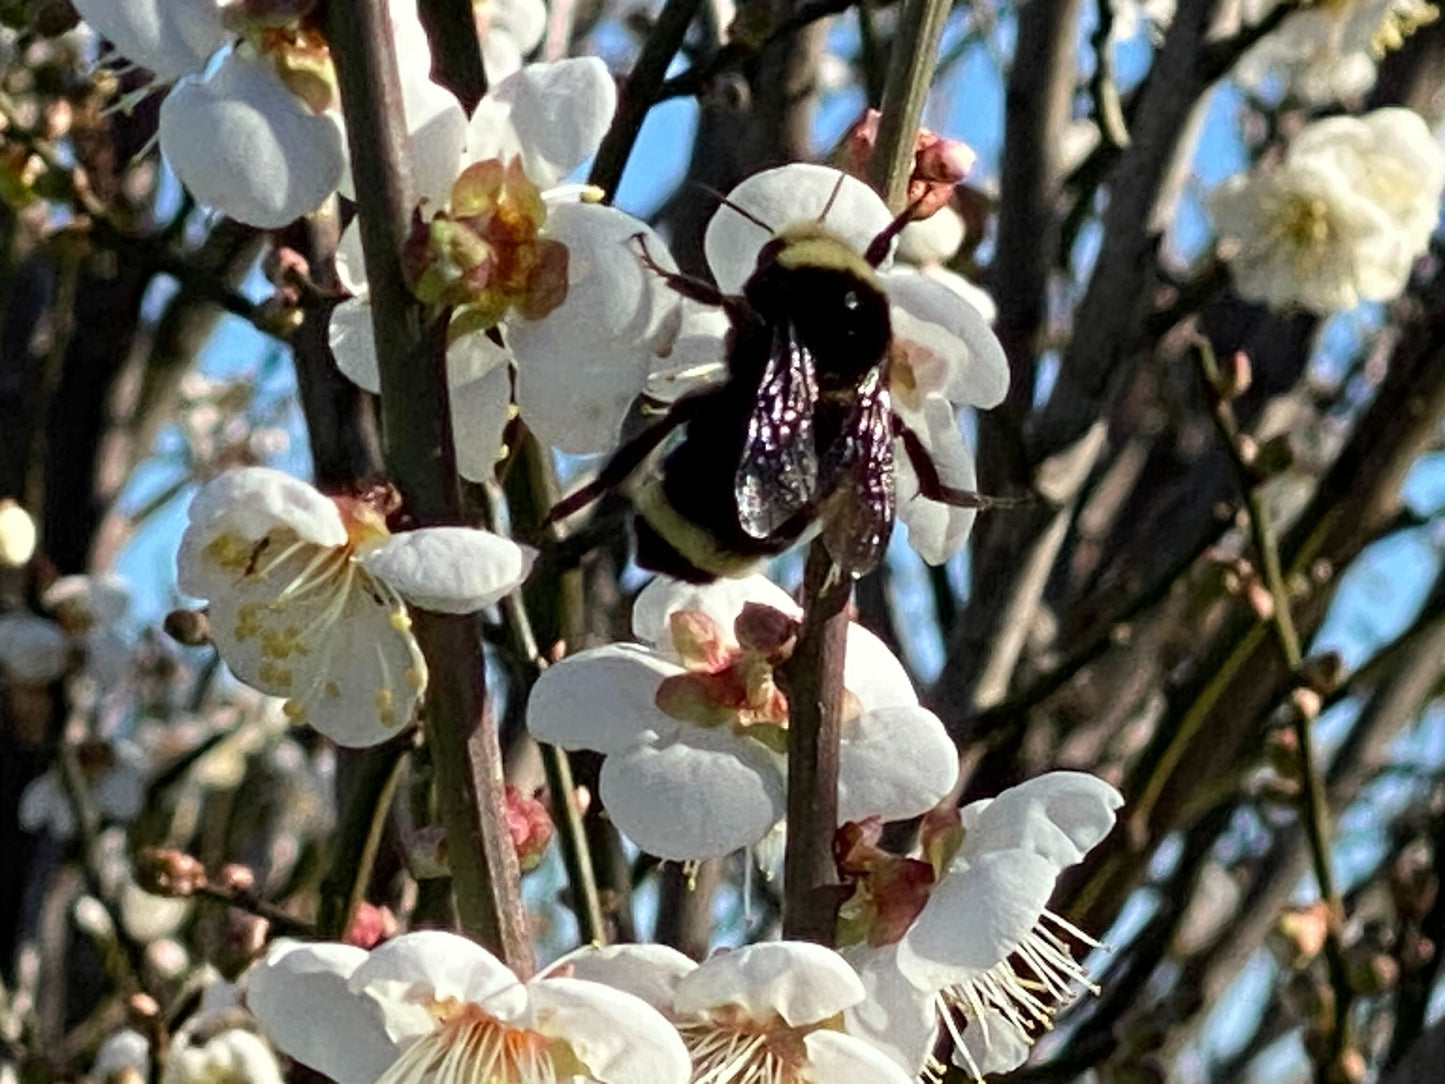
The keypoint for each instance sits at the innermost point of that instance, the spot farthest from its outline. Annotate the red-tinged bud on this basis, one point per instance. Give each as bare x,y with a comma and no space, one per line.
939,164
767,631
530,826
166,871
370,926
236,879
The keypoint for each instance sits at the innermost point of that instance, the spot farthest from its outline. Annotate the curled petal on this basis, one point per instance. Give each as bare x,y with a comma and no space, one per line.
648,971
898,1018
702,796
243,144
619,1038
894,763
721,601
454,570
936,531
553,115
432,964
170,37
353,343
835,1056
481,395
604,698
580,367
779,197
1060,816
299,994
874,675
801,982
929,317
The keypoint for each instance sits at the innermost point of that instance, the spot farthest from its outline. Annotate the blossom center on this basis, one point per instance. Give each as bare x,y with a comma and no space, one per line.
1024,991
730,1047
471,1046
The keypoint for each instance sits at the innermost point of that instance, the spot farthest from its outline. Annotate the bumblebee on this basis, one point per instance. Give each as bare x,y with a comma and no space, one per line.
798,438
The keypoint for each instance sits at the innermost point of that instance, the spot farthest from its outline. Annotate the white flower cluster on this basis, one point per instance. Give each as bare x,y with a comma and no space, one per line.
1341,219
1327,52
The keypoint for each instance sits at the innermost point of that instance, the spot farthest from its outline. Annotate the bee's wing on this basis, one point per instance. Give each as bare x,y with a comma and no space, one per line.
857,475
777,475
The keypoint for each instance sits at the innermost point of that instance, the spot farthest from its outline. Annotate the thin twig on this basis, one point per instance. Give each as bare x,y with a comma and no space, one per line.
1108,113
910,72
1315,802
419,452
640,92
367,782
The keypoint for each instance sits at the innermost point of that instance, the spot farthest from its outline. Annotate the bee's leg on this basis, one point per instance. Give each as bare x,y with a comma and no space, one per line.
627,458
695,289
931,486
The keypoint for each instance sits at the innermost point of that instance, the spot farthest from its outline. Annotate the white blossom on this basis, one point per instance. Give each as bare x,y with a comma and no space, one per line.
259,136
232,1054
433,1006
114,773
308,596
943,356
984,957
124,1057
693,725
769,1013
579,367
1341,219
1330,51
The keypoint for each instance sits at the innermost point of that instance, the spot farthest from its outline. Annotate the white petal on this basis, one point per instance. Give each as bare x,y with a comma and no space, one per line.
351,260
341,650
801,982
722,600
436,124
604,698
44,807
558,114
480,374
523,21
299,995
253,501
932,240
700,797
353,343
432,963
170,37
102,598
452,570
1059,816
32,649
895,763
619,1038
873,674
936,531
929,315
977,296
976,917
780,197
648,971
696,358
897,1017
243,144
580,367
842,1057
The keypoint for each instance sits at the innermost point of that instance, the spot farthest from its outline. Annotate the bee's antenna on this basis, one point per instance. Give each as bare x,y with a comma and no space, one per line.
832,196
730,205
878,247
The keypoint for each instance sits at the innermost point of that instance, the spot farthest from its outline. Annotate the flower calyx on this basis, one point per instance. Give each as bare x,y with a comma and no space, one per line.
288,35
731,680
888,890
484,254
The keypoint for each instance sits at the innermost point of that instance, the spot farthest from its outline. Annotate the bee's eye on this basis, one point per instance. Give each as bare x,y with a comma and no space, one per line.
850,300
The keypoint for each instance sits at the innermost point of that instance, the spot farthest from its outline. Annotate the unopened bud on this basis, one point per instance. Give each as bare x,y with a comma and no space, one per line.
190,628
530,827
142,1007
169,872
370,926
1307,702
17,534
1235,376
1304,931
1322,672
236,879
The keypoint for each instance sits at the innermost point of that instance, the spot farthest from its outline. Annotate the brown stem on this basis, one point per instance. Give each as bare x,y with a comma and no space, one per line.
418,448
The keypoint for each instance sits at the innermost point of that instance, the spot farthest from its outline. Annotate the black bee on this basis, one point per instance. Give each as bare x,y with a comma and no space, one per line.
797,439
